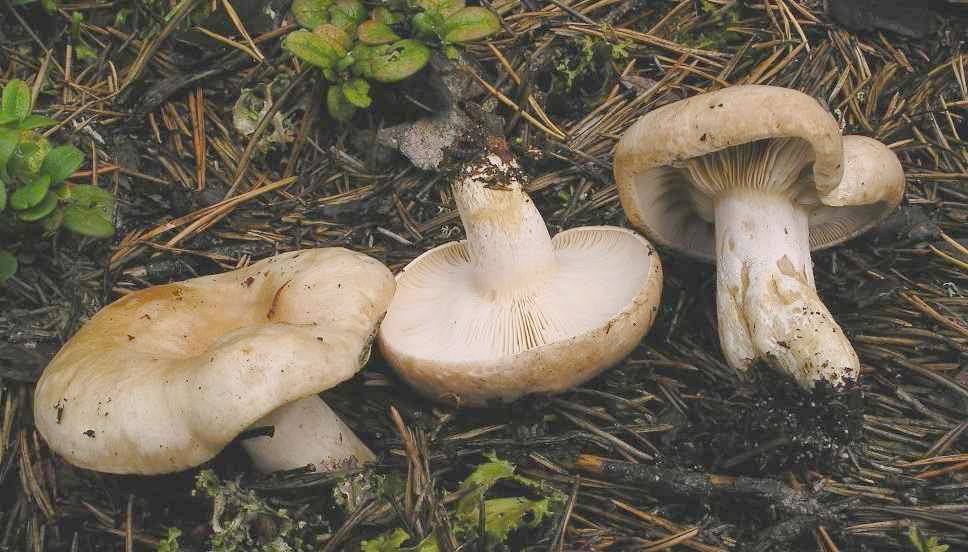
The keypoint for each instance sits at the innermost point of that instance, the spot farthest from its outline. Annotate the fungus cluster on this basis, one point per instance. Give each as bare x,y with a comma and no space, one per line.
753,177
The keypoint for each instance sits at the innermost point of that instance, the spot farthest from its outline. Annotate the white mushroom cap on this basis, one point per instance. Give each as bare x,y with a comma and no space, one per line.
856,181
511,311
164,378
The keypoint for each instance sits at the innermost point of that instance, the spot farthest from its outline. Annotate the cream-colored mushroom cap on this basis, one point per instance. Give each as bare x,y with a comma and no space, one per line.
164,378
853,182
512,311
755,177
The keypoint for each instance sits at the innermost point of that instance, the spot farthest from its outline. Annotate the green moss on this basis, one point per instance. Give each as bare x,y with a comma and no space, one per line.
244,522
582,72
717,37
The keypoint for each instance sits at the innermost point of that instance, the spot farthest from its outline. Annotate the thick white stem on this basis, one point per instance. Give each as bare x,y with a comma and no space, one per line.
507,239
768,306
305,432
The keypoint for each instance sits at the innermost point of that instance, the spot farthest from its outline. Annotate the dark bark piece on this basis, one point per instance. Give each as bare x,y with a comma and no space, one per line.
679,483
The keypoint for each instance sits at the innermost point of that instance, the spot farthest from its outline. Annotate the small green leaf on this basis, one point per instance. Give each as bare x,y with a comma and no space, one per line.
425,24
39,211
451,52
338,106
311,13
335,37
393,542
24,165
16,100
8,143
375,32
63,192
170,542
30,195
87,221
357,92
36,121
85,52
61,162
361,52
386,543
444,7
3,196
342,64
503,515
395,62
92,197
311,48
53,222
469,24
347,14
480,481
7,118
8,265
385,16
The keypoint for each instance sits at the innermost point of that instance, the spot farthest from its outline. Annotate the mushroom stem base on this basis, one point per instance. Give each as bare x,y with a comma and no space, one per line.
305,432
767,303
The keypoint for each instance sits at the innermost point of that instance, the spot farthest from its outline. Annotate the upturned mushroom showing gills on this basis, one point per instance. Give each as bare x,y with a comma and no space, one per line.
754,178
164,378
511,311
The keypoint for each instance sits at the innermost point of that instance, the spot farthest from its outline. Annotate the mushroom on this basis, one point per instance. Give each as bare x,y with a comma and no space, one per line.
164,378
511,311
755,177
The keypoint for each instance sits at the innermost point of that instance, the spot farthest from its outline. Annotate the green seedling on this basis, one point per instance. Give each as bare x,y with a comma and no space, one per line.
33,175
501,515
170,542
391,42
922,544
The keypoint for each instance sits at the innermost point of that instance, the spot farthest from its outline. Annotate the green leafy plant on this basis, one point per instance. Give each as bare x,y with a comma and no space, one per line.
170,542
922,544
33,174
501,515
354,47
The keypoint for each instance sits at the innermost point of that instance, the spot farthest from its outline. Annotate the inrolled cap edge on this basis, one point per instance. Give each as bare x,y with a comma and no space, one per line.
872,187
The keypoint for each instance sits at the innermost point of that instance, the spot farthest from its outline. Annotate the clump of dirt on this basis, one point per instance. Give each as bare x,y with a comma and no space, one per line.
772,425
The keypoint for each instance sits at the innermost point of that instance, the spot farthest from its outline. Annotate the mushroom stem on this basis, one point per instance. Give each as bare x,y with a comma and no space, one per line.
305,432
507,240
767,302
